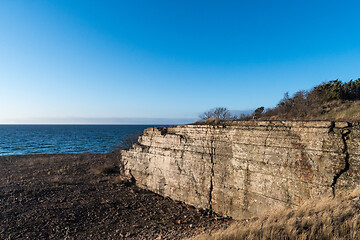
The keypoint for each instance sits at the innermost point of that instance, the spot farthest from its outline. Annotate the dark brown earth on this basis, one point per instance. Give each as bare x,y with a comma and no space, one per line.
82,196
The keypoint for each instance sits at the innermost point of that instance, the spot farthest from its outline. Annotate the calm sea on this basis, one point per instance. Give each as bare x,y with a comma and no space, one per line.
36,139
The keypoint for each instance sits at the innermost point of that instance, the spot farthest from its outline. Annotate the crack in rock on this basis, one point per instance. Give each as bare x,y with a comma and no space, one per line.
246,188
331,127
344,136
212,153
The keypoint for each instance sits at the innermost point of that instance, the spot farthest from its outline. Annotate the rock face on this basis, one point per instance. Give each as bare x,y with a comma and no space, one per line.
244,168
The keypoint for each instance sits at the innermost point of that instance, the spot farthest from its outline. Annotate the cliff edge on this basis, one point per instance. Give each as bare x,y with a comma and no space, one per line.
243,168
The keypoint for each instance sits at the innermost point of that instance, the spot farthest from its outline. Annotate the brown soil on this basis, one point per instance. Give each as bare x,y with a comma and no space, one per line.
71,196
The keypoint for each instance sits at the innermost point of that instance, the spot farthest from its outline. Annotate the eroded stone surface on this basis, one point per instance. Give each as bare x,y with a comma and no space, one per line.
247,167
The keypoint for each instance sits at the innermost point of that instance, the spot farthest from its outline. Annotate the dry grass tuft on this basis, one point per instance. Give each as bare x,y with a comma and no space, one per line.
337,218
212,121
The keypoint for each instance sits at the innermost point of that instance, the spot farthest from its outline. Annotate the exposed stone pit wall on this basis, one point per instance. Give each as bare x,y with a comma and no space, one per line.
244,168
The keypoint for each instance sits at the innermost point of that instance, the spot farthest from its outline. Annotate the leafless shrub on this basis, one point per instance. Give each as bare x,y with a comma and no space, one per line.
127,141
125,144
244,117
219,113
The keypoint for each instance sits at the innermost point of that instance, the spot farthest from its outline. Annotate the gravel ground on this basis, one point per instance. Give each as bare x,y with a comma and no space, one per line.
82,196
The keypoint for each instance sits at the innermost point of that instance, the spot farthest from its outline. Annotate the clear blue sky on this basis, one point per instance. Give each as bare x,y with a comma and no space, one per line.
102,61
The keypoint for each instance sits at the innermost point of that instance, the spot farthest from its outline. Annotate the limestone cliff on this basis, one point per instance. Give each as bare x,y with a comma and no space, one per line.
246,167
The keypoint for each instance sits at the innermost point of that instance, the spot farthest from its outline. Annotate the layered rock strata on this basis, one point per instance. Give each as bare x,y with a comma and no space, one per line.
244,168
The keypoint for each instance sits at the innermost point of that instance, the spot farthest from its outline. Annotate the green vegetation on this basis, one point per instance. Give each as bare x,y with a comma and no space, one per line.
319,103
331,100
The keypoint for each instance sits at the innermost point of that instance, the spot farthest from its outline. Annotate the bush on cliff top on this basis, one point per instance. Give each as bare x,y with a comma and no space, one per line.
331,100
315,103
217,114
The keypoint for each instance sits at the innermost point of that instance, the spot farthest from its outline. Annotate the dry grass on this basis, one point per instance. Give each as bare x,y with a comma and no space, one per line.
346,111
337,218
212,121
209,121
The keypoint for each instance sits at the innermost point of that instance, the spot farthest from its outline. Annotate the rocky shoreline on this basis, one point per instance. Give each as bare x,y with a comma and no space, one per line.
76,196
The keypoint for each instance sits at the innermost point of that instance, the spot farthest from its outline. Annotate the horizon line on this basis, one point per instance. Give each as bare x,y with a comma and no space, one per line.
98,121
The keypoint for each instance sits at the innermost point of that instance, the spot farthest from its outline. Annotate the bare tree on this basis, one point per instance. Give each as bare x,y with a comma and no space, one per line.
219,113
127,141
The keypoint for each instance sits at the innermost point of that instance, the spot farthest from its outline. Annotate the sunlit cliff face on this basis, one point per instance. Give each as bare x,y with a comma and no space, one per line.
244,168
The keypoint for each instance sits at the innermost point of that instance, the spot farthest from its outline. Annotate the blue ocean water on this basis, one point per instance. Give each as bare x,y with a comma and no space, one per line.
37,139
